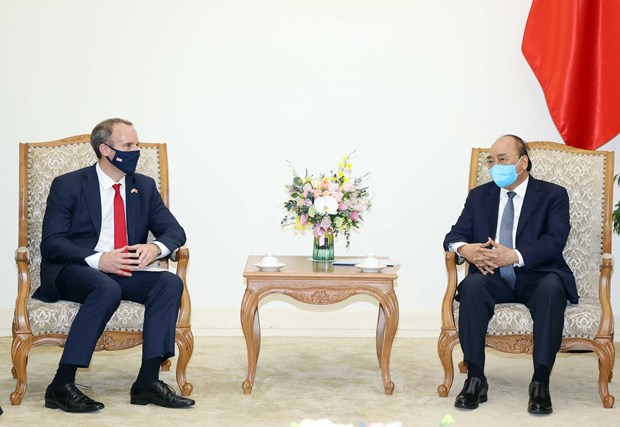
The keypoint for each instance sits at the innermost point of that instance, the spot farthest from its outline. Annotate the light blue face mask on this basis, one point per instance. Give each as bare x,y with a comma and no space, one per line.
505,175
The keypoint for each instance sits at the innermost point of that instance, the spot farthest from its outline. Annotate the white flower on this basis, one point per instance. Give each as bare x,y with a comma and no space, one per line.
326,205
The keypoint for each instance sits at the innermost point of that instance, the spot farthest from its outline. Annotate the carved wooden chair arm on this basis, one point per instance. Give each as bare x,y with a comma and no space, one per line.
447,317
22,258
606,327
179,254
181,257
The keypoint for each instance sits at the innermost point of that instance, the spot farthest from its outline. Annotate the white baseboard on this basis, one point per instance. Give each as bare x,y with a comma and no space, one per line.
285,321
318,321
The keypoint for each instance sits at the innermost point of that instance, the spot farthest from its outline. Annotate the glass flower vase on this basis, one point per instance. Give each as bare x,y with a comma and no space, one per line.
323,249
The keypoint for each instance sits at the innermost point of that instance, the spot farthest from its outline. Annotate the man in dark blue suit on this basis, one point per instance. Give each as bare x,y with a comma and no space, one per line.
512,232
86,258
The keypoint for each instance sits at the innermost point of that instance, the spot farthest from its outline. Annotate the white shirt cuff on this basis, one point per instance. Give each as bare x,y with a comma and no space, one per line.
521,263
453,247
93,260
164,250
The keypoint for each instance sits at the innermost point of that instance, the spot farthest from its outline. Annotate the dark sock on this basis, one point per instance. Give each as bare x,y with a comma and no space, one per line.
64,375
149,371
475,371
541,374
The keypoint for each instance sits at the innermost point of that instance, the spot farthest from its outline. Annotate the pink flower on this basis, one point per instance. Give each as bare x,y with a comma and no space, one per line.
303,219
307,202
355,216
337,195
342,207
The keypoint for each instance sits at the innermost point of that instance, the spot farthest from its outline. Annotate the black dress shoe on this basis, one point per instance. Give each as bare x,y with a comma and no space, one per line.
70,399
540,399
474,392
158,393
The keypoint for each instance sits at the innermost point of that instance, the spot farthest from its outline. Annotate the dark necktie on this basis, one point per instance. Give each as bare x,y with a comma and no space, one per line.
505,238
120,229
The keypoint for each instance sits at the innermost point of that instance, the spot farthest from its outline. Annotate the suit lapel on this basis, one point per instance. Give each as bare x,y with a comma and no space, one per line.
132,204
493,210
90,187
529,203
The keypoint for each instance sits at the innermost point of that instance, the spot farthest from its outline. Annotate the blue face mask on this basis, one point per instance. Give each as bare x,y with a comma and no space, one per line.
504,175
126,161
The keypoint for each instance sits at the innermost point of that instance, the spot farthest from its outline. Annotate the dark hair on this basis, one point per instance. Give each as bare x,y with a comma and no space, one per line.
103,131
521,146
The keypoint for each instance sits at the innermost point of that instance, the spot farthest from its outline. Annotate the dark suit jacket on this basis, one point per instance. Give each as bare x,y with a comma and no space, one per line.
542,230
72,222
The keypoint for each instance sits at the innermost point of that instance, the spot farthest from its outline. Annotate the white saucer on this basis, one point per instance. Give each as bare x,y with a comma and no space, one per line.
270,267
370,269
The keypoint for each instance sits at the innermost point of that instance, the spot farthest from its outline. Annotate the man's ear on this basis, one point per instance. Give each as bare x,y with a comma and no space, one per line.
105,150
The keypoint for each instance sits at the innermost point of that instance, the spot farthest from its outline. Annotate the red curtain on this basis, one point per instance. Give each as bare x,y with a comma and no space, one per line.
573,47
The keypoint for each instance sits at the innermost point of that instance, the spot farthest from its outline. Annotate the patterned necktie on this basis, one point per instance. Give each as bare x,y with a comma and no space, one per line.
120,228
505,238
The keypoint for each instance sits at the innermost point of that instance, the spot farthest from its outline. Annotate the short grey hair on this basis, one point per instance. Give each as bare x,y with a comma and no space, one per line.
103,131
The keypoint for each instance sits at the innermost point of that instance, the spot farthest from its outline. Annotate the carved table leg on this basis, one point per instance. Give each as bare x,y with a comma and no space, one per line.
250,324
380,332
388,316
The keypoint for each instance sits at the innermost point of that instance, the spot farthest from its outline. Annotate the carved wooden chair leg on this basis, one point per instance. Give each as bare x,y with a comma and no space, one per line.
185,344
603,389
445,348
20,373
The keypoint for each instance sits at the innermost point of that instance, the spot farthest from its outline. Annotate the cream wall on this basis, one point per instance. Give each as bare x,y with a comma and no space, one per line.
237,88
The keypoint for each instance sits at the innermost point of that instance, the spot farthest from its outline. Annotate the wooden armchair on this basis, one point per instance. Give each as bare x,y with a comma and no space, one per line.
35,322
588,178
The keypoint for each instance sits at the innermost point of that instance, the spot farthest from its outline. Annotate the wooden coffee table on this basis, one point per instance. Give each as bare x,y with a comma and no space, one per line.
318,283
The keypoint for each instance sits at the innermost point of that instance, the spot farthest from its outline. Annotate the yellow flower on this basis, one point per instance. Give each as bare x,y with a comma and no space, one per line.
298,226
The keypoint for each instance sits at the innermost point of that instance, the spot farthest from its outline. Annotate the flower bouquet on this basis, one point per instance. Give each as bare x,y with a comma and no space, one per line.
329,204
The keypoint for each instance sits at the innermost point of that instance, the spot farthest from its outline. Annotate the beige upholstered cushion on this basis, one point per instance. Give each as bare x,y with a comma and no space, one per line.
56,318
45,163
583,177
580,320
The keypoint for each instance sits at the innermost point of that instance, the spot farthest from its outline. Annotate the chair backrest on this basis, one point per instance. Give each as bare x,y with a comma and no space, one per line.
41,162
588,179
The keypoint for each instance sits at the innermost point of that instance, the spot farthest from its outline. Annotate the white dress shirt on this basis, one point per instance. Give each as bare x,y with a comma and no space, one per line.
106,237
518,204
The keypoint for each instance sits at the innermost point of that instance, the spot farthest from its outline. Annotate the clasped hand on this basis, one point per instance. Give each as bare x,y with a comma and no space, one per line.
488,256
123,261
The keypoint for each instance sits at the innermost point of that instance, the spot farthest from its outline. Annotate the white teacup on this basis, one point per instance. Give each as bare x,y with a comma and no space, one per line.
371,261
269,260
